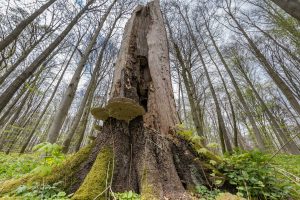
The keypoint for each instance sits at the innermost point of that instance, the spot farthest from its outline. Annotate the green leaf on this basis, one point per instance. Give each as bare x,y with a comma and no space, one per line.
61,194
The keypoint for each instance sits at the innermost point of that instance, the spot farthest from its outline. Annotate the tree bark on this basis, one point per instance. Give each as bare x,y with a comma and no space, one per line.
142,153
292,7
136,155
90,89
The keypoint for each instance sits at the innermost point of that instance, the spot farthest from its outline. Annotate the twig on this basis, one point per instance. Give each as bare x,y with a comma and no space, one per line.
281,148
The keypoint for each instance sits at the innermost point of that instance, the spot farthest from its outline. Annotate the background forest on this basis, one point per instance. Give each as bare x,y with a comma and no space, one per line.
235,69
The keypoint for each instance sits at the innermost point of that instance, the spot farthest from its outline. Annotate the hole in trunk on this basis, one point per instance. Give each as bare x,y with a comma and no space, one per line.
144,81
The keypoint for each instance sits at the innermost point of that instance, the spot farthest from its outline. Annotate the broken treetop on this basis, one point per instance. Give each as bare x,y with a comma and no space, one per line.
142,81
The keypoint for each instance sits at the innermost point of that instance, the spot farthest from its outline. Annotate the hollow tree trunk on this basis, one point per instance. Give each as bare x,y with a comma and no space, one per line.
140,153
137,148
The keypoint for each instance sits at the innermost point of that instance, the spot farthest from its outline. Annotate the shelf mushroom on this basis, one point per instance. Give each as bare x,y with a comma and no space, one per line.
120,108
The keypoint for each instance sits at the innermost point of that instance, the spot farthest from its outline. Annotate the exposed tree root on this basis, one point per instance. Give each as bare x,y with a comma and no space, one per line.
63,172
142,160
130,157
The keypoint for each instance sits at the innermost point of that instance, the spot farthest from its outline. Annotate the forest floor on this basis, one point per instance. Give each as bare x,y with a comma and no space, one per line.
14,166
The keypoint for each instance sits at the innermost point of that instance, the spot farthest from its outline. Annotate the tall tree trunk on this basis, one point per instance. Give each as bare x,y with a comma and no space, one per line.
135,151
17,83
22,25
72,87
20,59
292,7
222,129
90,89
39,119
13,119
234,120
224,138
291,146
257,133
187,83
15,116
270,70
138,148
83,123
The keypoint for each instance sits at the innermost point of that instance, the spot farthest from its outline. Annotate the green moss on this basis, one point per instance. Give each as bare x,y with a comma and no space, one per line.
196,143
147,191
12,184
97,179
67,168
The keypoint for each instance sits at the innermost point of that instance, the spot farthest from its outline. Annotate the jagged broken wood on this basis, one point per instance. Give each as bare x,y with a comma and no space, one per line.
137,148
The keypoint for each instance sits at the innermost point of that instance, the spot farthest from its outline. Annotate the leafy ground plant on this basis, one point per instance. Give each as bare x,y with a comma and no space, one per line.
40,192
51,154
130,195
254,177
15,165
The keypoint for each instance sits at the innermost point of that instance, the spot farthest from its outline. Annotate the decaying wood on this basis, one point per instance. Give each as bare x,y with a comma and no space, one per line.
140,153
147,157
142,70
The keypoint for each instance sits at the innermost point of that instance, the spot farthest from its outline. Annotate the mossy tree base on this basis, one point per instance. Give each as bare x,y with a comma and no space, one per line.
142,154
129,156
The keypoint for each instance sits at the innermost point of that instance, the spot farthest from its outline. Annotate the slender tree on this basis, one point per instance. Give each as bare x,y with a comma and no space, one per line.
17,83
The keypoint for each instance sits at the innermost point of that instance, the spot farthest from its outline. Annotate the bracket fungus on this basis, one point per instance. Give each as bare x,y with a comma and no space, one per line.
120,108
100,113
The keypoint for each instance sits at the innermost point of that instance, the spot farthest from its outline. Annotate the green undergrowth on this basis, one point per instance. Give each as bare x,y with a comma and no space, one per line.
287,168
38,192
15,165
130,195
47,167
253,174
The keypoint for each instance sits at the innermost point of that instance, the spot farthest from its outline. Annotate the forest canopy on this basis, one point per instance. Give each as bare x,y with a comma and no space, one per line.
132,99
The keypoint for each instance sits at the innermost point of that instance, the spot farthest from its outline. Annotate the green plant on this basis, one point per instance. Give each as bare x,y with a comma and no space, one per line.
38,191
287,168
205,193
253,177
51,154
15,165
130,195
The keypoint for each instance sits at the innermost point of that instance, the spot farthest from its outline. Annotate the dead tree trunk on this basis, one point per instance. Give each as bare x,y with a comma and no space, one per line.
141,80
137,149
